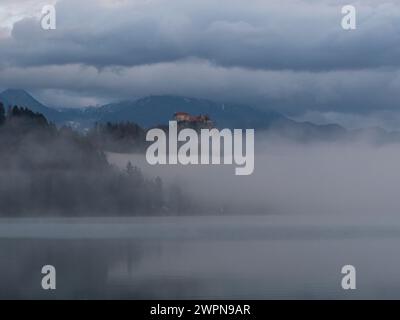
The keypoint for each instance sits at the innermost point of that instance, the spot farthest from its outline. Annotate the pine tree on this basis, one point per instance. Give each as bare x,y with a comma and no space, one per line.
2,114
129,169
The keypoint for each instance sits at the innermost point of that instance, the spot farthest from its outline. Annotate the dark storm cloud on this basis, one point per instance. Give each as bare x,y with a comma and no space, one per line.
272,35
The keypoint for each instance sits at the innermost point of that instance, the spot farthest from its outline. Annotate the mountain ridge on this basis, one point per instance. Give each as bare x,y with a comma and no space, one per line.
148,111
156,110
21,98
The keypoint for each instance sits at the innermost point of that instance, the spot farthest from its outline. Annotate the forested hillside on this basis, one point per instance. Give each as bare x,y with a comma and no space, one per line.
49,171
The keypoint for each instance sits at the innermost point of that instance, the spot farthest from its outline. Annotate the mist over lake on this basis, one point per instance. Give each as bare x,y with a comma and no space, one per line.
324,179
291,242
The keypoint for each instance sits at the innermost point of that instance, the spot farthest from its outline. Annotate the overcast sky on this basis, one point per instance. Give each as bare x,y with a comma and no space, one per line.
288,55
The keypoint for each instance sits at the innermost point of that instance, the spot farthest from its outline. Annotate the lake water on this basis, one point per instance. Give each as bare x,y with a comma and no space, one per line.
321,208
230,257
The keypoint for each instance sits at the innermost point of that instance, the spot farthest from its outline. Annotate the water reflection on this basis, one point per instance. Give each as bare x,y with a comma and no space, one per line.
300,263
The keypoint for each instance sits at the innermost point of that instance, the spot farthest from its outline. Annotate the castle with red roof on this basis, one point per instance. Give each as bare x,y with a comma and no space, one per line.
185,119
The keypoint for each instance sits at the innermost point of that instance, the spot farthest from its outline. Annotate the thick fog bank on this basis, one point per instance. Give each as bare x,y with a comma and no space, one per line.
320,178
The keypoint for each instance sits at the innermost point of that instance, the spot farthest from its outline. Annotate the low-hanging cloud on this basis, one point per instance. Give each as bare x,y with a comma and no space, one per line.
357,91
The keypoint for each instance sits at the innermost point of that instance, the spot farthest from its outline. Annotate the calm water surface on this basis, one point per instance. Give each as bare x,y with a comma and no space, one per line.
200,257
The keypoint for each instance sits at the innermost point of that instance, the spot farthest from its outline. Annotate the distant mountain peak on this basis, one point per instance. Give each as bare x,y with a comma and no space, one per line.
18,96
15,91
21,98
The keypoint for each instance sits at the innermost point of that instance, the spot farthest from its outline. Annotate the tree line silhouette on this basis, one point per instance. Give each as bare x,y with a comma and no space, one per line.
45,170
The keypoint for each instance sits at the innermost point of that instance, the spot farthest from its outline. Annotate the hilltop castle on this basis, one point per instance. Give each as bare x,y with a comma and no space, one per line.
184,119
